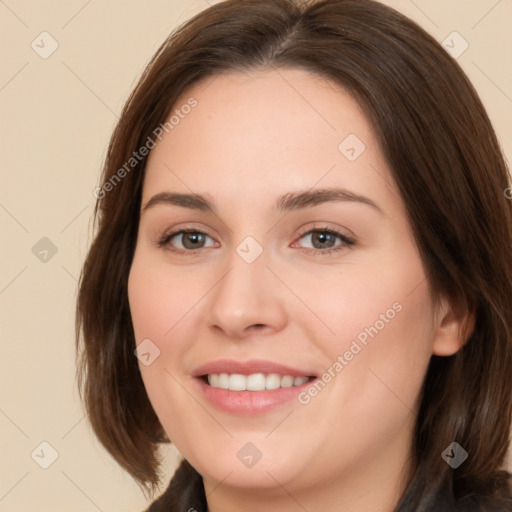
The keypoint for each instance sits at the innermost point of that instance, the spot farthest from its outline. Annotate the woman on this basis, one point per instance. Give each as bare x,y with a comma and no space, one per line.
301,273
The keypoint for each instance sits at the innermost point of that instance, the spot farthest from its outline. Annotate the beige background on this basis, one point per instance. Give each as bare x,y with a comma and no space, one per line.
56,117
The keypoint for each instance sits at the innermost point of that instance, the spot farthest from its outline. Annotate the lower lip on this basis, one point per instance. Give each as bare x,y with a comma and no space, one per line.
250,403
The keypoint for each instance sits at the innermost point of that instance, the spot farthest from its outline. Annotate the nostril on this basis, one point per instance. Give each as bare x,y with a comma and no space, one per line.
259,325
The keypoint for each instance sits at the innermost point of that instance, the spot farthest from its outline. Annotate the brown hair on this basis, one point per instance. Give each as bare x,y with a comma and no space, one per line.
446,163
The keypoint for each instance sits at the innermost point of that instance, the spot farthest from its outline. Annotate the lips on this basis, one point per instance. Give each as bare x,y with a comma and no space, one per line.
250,387
254,366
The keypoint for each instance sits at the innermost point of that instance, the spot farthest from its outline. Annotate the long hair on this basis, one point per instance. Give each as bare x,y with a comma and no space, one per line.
446,163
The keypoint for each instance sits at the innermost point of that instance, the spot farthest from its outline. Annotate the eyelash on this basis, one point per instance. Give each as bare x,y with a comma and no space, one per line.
164,240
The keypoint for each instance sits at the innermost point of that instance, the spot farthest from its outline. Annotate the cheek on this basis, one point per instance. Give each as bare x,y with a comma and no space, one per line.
383,320
163,306
160,297
383,297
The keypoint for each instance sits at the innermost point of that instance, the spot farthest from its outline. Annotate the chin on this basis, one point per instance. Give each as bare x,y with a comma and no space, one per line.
245,464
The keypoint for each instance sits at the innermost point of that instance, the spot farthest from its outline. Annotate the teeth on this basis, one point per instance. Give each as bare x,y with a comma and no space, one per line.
223,381
287,381
254,382
273,381
237,382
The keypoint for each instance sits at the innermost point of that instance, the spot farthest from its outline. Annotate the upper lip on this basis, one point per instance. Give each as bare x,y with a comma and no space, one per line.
248,367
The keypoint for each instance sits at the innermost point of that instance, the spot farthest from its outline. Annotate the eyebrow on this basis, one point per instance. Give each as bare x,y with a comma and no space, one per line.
291,201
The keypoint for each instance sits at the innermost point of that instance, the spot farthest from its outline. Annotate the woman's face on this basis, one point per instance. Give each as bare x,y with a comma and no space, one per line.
301,271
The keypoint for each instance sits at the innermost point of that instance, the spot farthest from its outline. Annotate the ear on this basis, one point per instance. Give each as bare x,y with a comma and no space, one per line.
454,324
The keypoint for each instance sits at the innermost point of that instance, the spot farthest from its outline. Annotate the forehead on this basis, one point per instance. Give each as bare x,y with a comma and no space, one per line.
287,127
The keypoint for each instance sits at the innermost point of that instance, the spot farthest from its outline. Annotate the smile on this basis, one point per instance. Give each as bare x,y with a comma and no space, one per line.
254,381
248,388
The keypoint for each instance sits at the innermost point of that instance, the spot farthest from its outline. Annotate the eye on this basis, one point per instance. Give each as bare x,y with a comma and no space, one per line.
325,240
185,240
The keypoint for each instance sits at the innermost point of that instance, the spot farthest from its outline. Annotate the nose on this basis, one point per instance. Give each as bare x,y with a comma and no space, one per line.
248,299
